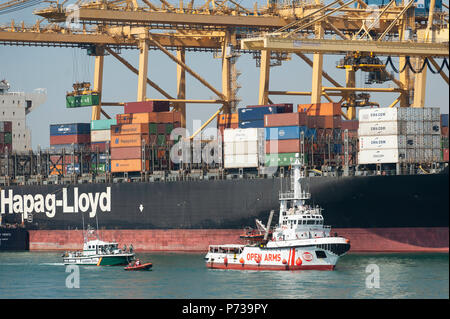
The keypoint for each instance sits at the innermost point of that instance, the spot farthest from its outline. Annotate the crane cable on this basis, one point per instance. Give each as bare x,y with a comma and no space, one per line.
5,8
426,62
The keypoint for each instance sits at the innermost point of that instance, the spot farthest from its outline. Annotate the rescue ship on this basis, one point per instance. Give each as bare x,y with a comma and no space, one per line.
299,241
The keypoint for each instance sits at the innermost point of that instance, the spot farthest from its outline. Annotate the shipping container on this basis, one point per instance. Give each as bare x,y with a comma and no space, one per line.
257,113
147,107
385,114
241,161
128,165
381,156
285,119
5,126
283,146
252,124
320,109
351,125
435,128
280,159
287,107
444,131
141,128
7,138
382,142
119,153
56,159
382,128
69,139
100,135
99,146
82,100
444,120
70,129
240,135
69,147
228,119
101,168
445,154
241,148
131,140
285,132
98,125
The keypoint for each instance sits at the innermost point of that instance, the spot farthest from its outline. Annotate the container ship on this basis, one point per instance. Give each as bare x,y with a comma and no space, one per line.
382,180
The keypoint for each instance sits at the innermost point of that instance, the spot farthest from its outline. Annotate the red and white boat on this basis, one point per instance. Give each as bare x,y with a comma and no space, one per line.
299,241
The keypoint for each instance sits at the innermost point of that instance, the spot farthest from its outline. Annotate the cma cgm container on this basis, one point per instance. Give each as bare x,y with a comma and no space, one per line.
70,129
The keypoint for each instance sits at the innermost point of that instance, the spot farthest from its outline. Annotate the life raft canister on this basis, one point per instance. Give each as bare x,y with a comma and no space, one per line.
284,261
241,260
298,262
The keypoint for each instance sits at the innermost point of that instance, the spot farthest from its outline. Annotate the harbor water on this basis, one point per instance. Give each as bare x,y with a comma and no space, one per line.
184,276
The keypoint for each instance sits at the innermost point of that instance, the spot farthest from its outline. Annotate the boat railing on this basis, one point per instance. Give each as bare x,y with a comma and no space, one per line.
291,196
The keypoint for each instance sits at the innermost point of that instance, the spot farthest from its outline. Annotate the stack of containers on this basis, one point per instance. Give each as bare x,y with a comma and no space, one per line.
444,137
243,148
127,141
253,117
283,137
225,121
101,134
5,136
399,135
62,165
70,136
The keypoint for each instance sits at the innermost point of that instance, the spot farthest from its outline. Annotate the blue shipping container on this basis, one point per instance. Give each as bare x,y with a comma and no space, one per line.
285,132
257,113
70,129
422,7
444,120
252,124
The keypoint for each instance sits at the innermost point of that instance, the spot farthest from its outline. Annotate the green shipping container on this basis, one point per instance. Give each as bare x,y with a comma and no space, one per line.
161,140
82,100
169,128
152,128
102,124
281,159
100,168
8,138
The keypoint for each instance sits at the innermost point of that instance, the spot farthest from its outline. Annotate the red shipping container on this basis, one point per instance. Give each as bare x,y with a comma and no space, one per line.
120,153
3,148
351,125
166,117
69,139
147,107
444,131
7,126
283,146
445,154
99,146
285,119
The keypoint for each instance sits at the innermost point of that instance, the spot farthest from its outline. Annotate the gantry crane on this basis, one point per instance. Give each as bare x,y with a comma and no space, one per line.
220,26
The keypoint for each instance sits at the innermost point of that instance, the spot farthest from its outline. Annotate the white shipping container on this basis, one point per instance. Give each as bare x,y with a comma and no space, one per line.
415,114
243,135
382,142
382,128
381,156
427,113
436,127
428,155
420,155
419,127
410,155
241,148
100,135
385,114
435,114
241,161
427,141
436,154
411,141
427,127
436,141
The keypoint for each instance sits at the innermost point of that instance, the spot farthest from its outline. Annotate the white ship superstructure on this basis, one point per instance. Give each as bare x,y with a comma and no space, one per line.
14,107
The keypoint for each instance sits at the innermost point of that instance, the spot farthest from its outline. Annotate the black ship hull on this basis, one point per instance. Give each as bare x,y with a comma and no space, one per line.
348,202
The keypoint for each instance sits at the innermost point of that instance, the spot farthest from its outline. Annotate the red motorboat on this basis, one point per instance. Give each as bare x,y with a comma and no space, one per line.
139,266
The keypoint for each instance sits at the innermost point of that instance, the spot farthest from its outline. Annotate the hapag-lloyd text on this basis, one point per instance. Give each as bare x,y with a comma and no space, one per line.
82,202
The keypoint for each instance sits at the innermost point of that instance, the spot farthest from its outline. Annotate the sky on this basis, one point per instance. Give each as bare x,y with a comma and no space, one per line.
56,69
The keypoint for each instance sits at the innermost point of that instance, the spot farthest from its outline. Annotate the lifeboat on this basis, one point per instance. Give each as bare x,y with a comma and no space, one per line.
146,266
